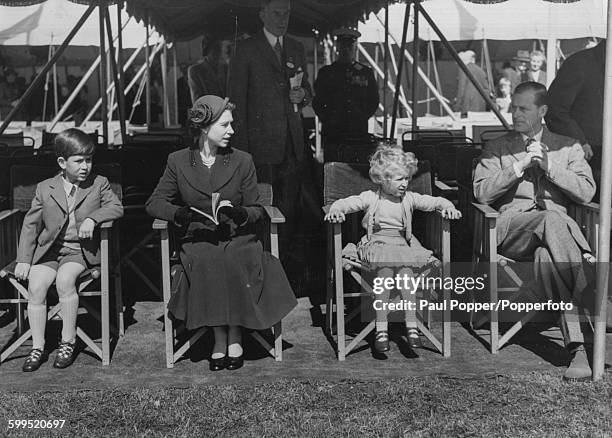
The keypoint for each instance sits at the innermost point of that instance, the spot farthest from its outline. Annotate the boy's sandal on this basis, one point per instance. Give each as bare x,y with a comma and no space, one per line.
414,338
381,342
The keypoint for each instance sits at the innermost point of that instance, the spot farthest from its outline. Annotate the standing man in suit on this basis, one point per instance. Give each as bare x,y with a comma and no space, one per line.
575,105
268,106
531,176
468,97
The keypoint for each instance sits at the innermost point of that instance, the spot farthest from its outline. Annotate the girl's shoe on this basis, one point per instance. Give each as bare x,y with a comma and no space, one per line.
34,360
381,342
414,338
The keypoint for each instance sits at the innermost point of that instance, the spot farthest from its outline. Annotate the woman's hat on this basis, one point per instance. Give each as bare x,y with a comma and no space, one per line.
207,109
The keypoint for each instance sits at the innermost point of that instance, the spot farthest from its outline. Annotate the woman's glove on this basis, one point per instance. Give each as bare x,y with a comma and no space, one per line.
183,216
238,214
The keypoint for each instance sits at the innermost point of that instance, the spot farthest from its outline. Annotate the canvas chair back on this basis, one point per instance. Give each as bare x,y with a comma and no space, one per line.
24,179
346,179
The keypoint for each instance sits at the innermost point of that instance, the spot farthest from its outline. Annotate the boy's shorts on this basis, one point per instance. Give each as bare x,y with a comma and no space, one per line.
59,255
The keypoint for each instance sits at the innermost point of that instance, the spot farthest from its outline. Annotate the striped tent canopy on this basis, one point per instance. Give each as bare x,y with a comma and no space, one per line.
40,23
187,19
464,20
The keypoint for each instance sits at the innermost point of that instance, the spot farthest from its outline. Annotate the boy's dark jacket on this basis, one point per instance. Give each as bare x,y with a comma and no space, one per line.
49,213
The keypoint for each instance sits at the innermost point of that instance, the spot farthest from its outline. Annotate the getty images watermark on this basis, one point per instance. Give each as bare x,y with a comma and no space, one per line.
465,289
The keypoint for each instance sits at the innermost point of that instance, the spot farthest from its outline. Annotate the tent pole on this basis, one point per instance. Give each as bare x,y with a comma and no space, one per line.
148,71
443,101
465,70
603,244
415,61
315,43
103,77
175,69
394,65
116,76
164,72
385,70
46,87
380,73
428,108
121,82
398,79
55,95
127,64
36,82
551,60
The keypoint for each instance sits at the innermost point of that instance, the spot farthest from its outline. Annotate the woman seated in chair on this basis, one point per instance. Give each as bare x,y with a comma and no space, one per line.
389,245
231,282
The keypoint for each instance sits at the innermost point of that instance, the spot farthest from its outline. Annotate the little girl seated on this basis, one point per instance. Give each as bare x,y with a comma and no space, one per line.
388,247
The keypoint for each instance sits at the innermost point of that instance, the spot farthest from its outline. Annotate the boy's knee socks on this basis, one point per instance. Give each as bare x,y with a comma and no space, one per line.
69,306
37,317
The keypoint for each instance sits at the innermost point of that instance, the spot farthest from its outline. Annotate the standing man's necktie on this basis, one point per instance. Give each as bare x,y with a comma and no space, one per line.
278,51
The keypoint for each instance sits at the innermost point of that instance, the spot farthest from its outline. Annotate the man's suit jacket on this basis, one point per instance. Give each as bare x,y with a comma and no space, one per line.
259,86
575,97
185,184
569,179
468,97
49,213
204,79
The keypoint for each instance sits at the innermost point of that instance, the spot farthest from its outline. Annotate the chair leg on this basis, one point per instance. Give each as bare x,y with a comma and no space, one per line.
168,326
278,341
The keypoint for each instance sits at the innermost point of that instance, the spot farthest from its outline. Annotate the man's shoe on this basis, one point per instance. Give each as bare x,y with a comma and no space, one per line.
34,360
579,368
414,339
381,342
65,355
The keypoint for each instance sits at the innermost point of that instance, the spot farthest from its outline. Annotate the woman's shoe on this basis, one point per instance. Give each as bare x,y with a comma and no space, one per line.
234,363
381,342
414,339
218,364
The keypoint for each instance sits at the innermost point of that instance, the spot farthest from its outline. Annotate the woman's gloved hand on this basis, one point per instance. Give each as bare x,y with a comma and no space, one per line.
237,214
183,216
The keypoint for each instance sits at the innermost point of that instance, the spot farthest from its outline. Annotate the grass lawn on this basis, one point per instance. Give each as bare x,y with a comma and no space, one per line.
529,405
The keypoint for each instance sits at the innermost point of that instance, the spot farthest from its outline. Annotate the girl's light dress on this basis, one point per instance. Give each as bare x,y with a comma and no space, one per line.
389,241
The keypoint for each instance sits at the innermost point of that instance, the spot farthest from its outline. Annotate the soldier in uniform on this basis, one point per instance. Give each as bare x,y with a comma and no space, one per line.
346,95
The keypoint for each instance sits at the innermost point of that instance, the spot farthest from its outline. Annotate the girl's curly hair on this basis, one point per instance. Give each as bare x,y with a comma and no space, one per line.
388,161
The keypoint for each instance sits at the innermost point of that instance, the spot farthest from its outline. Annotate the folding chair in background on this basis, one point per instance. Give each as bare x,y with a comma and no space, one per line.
23,182
268,232
342,180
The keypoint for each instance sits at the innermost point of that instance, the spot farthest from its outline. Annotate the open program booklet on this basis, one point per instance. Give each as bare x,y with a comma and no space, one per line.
216,206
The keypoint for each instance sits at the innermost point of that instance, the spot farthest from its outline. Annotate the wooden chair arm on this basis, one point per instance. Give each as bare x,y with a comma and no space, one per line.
488,212
107,225
591,206
159,224
275,215
443,187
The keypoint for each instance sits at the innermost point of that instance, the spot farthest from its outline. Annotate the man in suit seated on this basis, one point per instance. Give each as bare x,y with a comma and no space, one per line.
531,175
